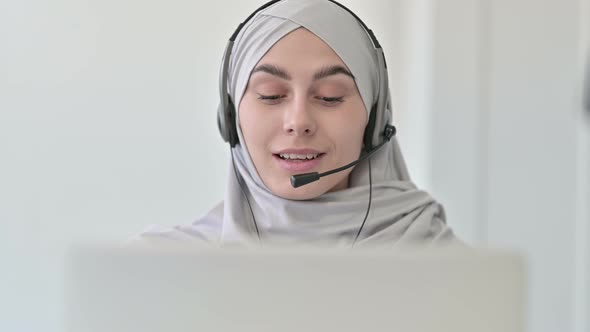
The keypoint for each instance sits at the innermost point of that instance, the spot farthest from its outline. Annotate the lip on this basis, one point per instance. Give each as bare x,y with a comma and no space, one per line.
298,151
298,166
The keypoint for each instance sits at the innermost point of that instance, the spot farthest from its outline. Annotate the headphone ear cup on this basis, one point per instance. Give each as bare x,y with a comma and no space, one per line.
230,124
370,129
221,122
226,123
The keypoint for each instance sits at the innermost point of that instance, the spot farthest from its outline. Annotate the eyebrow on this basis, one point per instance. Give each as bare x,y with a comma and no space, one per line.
320,74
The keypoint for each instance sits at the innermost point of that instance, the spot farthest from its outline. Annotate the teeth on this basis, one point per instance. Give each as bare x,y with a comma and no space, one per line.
298,156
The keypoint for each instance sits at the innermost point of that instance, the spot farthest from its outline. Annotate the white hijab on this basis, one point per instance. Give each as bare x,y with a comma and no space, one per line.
399,214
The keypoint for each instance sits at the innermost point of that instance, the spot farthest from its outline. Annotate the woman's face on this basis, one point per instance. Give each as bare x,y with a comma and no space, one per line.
302,112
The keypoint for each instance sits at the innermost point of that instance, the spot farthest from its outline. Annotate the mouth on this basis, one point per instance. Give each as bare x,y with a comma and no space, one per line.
294,157
298,162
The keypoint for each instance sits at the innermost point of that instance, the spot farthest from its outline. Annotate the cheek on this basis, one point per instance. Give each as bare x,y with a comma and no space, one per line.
347,132
257,126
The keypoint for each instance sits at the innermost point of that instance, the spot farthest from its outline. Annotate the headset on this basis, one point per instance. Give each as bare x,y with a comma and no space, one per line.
373,138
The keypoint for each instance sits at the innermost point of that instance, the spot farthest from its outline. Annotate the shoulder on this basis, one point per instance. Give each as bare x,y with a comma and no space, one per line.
205,230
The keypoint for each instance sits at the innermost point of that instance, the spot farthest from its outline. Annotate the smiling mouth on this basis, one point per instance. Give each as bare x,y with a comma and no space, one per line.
299,157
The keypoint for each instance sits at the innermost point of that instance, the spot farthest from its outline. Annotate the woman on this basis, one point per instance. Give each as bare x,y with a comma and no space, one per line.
311,92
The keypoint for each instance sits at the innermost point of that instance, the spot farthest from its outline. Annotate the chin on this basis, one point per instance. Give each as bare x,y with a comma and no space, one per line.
299,194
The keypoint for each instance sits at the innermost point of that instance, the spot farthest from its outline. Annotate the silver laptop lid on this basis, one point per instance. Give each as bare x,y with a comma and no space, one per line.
293,290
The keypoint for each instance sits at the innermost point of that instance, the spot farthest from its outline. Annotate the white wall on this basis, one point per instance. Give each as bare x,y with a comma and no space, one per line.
510,141
107,125
532,147
582,272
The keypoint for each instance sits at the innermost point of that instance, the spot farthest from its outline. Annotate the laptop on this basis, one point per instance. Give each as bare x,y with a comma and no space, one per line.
293,289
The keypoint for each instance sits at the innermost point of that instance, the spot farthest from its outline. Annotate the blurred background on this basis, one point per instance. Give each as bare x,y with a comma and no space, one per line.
108,126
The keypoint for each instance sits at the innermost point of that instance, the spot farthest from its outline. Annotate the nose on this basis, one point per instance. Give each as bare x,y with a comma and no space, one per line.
299,120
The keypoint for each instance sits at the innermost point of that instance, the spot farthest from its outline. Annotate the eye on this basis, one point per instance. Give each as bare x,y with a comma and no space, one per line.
331,100
271,100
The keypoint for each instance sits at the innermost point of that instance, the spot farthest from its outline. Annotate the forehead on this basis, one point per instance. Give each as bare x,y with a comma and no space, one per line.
301,49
